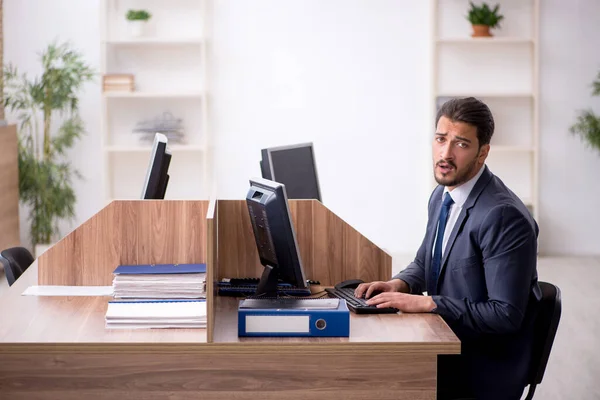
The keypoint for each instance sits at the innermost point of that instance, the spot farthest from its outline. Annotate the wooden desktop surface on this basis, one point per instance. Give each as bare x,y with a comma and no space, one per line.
58,348
73,319
79,319
424,331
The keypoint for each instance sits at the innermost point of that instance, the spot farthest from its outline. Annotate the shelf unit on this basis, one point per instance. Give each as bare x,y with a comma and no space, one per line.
154,95
502,71
146,149
155,41
169,64
485,40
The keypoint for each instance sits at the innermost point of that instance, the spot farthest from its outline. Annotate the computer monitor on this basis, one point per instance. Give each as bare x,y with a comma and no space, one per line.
275,237
265,169
157,177
295,167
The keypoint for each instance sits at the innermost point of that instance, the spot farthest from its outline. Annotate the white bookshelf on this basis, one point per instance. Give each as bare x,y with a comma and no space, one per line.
154,95
502,71
481,94
169,64
155,42
485,40
513,149
146,149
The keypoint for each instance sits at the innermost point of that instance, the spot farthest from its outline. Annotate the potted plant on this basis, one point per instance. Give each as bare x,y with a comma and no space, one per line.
482,18
588,123
45,174
137,21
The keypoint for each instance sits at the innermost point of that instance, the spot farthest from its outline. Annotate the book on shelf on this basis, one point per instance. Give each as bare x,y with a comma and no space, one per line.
117,88
118,82
160,281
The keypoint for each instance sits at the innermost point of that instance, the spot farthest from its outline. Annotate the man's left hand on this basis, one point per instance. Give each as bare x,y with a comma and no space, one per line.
409,303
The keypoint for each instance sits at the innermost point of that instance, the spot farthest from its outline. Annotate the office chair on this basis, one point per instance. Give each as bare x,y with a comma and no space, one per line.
545,328
15,260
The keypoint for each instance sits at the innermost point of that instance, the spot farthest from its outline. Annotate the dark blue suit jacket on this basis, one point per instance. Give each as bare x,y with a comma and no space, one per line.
487,287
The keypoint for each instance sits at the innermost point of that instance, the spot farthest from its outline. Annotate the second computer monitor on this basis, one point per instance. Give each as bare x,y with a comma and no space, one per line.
157,177
295,167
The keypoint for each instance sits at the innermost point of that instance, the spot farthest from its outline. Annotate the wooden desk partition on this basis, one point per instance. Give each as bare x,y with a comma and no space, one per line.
127,232
386,356
331,250
211,265
9,188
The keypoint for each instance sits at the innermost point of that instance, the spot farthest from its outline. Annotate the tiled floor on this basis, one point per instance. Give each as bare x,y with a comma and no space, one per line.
573,371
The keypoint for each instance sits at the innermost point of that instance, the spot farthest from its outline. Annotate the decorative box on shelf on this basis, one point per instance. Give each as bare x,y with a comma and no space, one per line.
118,83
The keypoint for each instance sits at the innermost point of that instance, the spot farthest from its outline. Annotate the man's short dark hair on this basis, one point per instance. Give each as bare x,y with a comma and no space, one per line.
470,111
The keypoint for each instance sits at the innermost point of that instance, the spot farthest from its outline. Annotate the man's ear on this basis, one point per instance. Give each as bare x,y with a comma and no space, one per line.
483,152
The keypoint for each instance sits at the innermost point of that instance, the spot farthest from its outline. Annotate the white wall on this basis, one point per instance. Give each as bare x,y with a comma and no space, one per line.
569,183
353,77
29,26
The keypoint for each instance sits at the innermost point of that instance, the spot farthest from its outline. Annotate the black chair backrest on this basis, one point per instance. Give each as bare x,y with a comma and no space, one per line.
15,260
546,325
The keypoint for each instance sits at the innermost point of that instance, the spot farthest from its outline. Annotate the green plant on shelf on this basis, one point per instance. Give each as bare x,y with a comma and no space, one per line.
484,15
45,173
587,126
138,15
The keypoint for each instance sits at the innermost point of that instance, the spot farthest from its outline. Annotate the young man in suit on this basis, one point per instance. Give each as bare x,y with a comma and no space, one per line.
477,263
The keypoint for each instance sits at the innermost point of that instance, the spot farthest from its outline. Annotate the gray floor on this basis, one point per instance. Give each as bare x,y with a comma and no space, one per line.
573,371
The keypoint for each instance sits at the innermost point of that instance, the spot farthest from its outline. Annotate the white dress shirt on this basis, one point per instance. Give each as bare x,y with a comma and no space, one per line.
459,195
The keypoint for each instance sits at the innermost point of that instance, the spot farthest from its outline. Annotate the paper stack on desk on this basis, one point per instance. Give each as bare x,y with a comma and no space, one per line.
156,314
160,281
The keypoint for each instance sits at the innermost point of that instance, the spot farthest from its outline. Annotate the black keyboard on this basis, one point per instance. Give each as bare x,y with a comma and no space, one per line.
244,287
357,305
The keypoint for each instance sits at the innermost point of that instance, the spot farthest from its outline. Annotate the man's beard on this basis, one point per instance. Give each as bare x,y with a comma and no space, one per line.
460,178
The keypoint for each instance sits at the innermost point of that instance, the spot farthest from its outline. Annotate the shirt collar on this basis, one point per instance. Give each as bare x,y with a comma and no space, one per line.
461,193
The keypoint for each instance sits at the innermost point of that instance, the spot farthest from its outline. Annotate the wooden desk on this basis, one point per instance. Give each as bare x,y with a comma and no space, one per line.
57,348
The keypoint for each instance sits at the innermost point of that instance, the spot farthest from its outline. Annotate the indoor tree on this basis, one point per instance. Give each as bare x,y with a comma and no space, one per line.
45,173
588,123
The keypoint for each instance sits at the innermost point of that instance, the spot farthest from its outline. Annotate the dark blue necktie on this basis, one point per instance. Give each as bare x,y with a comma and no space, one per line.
437,251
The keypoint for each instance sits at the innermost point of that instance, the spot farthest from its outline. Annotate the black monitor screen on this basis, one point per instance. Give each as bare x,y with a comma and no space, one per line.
157,178
265,167
295,167
274,236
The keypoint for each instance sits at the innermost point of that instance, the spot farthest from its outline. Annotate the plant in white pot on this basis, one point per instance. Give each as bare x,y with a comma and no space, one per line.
137,20
45,173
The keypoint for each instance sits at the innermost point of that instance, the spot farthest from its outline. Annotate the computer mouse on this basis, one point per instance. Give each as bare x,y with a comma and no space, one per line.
350,284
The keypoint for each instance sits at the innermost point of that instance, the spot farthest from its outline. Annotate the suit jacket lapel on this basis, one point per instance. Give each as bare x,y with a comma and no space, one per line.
483,181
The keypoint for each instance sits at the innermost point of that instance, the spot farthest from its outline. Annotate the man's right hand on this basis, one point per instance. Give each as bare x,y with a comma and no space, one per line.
395,285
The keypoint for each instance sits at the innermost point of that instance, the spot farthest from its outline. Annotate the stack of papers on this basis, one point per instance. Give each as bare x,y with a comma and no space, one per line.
156,314
164,281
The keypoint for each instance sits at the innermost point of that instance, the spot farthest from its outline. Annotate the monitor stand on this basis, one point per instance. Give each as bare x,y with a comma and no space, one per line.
267,286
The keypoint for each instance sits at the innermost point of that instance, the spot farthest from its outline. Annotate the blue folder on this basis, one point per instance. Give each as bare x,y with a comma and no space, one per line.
160,269
295,321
